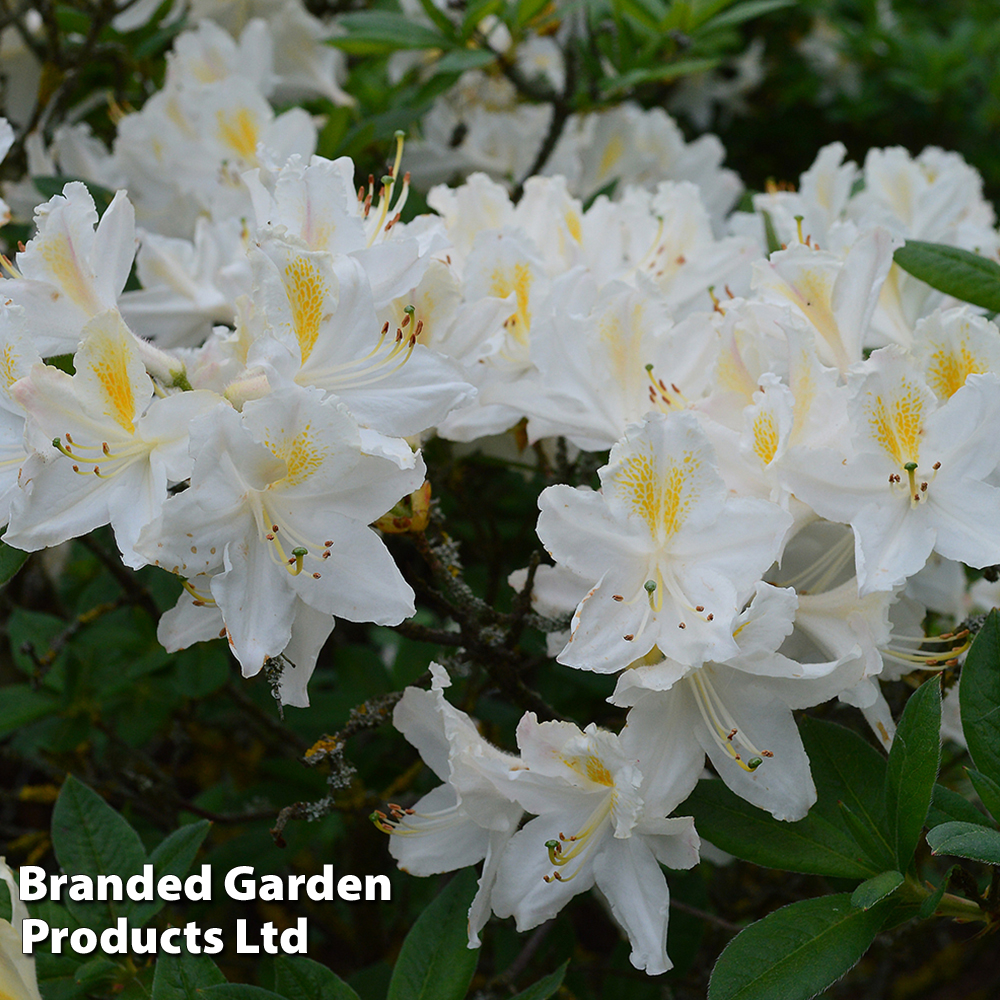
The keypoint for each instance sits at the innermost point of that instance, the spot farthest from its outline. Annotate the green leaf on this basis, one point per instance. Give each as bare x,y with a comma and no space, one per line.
987,790
96,971
849,770
435,962
966,840
22,704
237,991
476,11
439,18
647,13
744,12
11,560
913,766
527,9
300,978
663,73
459,60
979,698
931,902
948,805
546,987
371,32
813,845
91,838
795,952
182,977
960,273
173,856
875,889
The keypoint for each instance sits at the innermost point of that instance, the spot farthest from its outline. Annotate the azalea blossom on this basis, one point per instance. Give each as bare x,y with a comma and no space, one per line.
666,550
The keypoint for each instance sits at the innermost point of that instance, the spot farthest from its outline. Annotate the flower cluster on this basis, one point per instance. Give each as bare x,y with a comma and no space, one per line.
801,439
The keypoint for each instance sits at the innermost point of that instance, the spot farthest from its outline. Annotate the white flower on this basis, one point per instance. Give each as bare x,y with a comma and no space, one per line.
600,820
116,448
280,502
668,552
469,818
17,970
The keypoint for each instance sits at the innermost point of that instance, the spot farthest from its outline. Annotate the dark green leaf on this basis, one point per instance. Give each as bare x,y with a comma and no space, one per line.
647,13
476,11
966,840
979,697
744,12
300,978
438,17
812,845
23,704
931,902
173,856
459,60
11,560
663,73
948,805
237,991
91,838
795,952
436,962
372,32
96,971
527,9
182,977
875,889
960,273
849,770
912,769
544,988
987,790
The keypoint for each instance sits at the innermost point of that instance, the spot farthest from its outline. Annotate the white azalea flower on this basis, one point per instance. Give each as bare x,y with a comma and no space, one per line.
472,816
600,820
279,506
18,980
116,448
668,552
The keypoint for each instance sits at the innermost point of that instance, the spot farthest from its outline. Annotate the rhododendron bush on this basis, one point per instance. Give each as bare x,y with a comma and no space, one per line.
418,453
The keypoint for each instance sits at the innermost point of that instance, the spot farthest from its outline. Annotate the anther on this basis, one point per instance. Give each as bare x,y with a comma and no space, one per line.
274,528
699,608
629,637
923,487
710,617
766,753
105,448
681,625
316,576
327,543
935,466
617,597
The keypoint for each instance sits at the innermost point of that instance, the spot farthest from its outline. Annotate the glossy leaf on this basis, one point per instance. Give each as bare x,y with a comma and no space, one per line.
11,560
546,987
184,976
912,770
813,845
966,840
173,856
979,697
876,889
371,32
947,805
987,790
299,978
795,952
91,838
436,962
960,273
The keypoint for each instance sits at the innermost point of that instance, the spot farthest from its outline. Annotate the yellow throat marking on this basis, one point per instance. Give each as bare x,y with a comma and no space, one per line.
306,290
